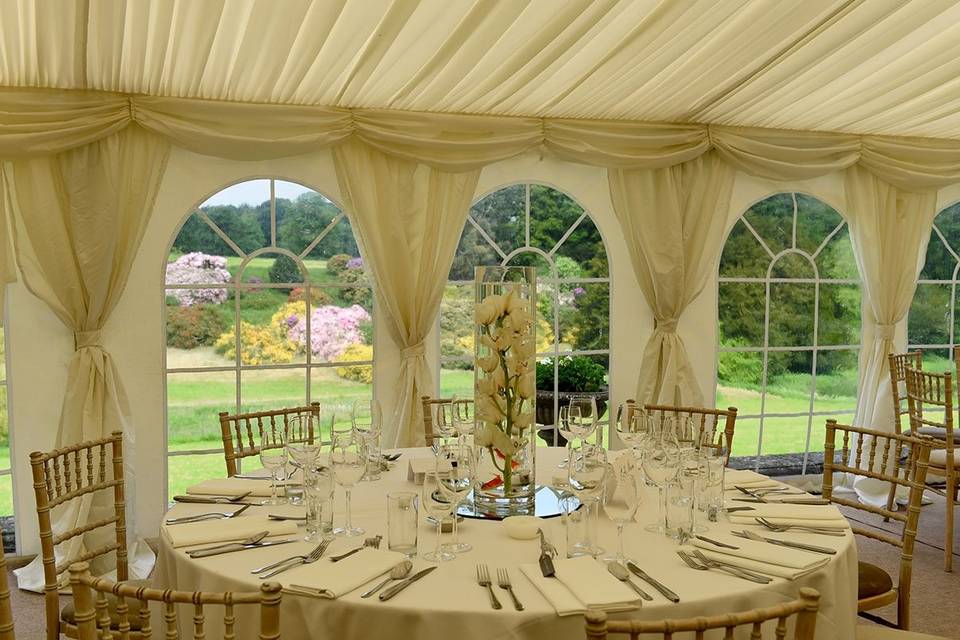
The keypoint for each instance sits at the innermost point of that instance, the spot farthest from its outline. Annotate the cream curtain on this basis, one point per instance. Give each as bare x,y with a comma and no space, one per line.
889,228
408,218
673,221
79,217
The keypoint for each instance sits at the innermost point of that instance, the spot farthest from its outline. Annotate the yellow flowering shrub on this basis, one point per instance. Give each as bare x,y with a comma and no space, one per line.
258,345
357,372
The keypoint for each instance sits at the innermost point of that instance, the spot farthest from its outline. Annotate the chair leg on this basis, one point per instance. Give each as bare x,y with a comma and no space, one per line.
890,498
948,542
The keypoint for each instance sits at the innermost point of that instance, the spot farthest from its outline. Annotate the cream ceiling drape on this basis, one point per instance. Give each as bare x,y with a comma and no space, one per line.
78,219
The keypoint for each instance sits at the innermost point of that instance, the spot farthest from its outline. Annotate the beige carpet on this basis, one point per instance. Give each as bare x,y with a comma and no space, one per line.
935,595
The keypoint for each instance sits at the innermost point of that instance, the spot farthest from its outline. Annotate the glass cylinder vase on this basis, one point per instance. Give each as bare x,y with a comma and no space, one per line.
505,389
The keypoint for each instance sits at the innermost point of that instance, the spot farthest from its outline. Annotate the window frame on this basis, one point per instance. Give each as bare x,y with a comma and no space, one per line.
765,350
238,286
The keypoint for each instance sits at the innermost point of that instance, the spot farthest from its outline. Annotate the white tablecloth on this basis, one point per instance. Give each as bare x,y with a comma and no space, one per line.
448,603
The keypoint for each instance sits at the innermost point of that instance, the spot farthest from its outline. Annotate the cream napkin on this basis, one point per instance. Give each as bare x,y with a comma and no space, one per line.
748,480
325,579
581,584
763,561
232,487
227,530
825,516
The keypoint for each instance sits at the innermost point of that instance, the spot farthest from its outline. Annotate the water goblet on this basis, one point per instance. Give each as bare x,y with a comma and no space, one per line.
632,425
622,498
434,503
348,459
659,464
302,449
587,473
565,425
273,457
458,466
367,419
318,485
584,420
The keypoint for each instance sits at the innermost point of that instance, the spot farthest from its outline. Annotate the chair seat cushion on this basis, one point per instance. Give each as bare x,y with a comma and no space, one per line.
934,432
938,458
872,581
69,615
877,632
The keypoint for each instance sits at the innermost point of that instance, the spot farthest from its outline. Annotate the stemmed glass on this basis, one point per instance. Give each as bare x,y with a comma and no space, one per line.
621,503
348,458
583,415
586,474
445,423
302,447
659,463
366,419
464,420
273,457
632,426
435,504
565,425
456,464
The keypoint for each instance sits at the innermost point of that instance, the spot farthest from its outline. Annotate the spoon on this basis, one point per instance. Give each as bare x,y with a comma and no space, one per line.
620,573
398,572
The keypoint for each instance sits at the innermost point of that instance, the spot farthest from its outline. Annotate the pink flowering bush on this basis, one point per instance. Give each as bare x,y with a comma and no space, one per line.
332,329
198,268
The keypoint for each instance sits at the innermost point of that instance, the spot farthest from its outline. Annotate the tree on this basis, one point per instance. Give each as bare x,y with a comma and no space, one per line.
300,221
239,223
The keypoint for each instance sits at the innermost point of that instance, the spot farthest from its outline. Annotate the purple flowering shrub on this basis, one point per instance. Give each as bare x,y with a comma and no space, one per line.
198,268
332,329
355,263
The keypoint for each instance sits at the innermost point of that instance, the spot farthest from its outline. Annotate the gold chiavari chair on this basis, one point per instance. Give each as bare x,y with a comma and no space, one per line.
434,415
930,398
898,380
67,476
244,433
6,614
805,609
93,595
706,420
875,455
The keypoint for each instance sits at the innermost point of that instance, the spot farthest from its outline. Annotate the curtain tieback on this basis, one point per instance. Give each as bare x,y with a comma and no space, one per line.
86,339
885,331
668,325
415,351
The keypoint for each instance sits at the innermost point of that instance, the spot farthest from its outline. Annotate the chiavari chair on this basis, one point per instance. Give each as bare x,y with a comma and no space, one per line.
898,363
705,420
434,416
6,613
244,433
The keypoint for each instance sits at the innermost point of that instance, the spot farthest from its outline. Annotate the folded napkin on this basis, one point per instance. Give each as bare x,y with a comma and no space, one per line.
777,561
325,579
748,480
232,487
227,530
825,516
581,584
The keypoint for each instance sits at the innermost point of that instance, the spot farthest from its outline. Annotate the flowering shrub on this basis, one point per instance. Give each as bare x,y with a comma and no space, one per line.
360,294
194,326
332,329
258,345
337,263
355,263
317,296
198,268
358,372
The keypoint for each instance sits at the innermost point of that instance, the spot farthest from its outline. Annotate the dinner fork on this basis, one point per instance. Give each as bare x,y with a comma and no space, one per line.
696,564
373,543
782,528
310,558
503,580
744,573
483,579
215,515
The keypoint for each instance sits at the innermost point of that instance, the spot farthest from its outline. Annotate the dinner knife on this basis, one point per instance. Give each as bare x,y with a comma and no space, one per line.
786,543
810,501
640,573
397,588
236,546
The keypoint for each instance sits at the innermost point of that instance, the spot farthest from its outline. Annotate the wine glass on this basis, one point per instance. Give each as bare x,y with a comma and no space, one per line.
632,425
568,416
464,420
318,484
349,461
659,463
302,448
366,419
586,474
435,504
683,497
273,457
458,465
622,500
445,422
583,413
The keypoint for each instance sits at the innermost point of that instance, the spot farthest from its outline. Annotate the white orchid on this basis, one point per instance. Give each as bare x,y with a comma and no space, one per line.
528,386
489,363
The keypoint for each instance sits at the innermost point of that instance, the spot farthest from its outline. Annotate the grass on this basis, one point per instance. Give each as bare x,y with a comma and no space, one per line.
260,268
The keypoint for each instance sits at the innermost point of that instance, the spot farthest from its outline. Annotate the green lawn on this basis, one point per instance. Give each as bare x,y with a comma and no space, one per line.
260,268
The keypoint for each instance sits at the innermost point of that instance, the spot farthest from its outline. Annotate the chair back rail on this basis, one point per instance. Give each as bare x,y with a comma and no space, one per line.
704,418
244,434
898,375
805,608
889,457
62,476
432,415
94,621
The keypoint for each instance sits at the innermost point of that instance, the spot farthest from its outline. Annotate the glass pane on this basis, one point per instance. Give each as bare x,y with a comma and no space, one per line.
772,219
929,319
815,220
940,263
783,367
6,509
193,330
791,314
456,379
241,212
300,220
745,438
948,222
743,256
194,401
336,389
268,327
198,268
250,193
587,325
836,261
552,213
739,376
473,251
502,216
741,309
186,471
784,435
338,331
338,245
839,314
456,322
792,265
836,386
262,390
585,249
938,360
545,269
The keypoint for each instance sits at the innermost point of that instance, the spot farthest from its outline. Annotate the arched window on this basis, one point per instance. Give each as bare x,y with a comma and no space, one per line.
531,225
933,320
789,314
267,306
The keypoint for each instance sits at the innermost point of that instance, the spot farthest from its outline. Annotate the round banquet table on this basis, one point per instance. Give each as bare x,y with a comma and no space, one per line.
449,603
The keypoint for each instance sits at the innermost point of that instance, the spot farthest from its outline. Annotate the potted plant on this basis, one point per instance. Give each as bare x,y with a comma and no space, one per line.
576,376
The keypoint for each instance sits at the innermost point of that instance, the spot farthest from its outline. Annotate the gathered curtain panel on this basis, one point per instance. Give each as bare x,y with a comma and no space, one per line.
408,218
78,219
673,222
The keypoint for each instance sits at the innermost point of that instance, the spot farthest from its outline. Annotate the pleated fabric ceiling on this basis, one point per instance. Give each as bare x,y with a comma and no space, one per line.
859,66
